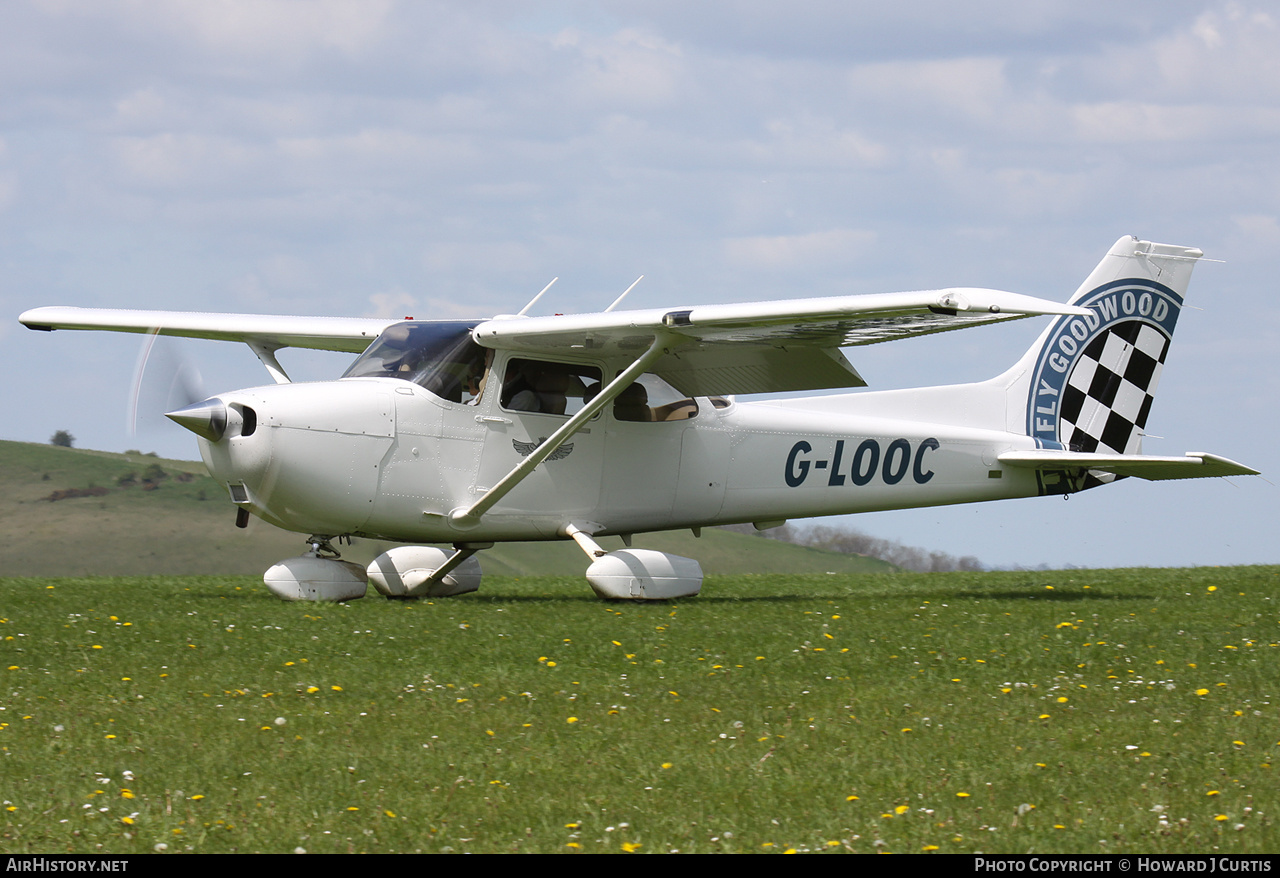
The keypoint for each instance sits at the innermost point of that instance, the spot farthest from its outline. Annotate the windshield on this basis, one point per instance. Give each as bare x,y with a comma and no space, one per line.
439,356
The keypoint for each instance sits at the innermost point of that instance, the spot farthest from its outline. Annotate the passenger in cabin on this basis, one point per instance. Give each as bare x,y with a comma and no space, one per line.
632,404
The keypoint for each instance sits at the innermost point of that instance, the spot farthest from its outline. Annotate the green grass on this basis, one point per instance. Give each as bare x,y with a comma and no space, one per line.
1078,711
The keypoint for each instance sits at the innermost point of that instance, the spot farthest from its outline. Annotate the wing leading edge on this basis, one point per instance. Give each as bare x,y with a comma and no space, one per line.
350,334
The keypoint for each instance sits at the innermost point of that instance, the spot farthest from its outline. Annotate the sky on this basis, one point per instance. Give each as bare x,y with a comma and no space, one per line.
407,157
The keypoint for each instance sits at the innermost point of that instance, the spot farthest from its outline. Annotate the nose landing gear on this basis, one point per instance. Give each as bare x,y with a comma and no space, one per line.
319,575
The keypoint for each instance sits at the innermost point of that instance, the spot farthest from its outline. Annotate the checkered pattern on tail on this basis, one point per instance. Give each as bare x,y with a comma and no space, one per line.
1108,395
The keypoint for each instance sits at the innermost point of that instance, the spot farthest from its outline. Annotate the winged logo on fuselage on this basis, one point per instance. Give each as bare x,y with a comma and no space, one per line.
527,448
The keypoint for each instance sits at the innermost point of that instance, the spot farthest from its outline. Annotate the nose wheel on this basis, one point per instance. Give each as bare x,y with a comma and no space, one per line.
319,575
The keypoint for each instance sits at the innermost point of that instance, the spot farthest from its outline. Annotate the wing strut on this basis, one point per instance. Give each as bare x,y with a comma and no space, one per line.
267,354
470,516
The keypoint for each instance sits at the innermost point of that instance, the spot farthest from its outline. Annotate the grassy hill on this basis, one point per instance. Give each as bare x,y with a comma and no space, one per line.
184,523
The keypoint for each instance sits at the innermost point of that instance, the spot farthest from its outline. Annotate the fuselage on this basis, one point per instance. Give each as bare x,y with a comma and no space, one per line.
386,458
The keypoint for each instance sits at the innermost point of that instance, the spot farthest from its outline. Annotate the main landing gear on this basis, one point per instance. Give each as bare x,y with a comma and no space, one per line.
424,571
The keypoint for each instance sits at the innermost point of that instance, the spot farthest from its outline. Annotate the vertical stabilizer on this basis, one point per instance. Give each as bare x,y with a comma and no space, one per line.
1088,382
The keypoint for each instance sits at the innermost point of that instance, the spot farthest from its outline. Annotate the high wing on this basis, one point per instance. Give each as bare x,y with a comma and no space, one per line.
710,350
272,332
765,346
1194,465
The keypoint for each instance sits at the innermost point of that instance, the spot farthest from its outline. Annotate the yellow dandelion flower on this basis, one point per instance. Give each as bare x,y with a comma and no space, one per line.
666,765
631,846
1220,817
902,809
336,688
1213,793
572,825
1062,699
1202,691
389,813
851,798
573,844
128,821
929,847
572,719
962,795
551,664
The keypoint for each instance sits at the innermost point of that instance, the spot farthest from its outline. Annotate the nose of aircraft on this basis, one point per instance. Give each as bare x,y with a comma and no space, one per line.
207,419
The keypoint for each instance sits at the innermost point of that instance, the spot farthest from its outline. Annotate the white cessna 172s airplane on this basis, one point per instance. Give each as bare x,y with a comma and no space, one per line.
572,427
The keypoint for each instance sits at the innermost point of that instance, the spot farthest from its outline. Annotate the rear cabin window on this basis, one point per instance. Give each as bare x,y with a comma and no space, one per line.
652,399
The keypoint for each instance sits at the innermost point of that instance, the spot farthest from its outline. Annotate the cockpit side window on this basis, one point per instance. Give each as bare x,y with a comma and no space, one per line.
439,356
549,388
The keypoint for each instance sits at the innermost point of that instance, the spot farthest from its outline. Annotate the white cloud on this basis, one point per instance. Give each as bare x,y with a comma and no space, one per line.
626,69
270,27
811,251
394,303
182,160
976,89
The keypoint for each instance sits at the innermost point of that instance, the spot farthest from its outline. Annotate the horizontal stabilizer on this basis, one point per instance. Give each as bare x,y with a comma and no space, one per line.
1194,465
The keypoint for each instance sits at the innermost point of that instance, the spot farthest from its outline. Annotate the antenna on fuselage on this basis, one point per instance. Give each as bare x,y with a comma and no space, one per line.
535,299
618,301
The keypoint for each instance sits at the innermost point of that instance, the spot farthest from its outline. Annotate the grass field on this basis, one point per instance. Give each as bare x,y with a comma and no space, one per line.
1076,711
